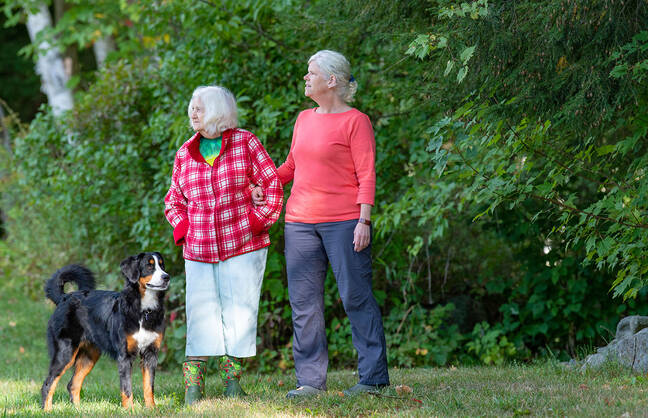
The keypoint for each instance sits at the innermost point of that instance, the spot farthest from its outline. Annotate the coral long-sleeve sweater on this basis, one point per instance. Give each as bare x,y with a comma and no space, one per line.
332,166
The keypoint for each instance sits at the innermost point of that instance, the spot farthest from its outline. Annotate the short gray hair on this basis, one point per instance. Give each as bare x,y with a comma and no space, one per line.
333,63
220,108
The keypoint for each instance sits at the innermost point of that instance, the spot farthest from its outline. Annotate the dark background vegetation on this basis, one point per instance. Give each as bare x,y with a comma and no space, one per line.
511,198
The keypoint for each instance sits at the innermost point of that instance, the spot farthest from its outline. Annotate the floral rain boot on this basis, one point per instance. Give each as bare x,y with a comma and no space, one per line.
194,380
230,371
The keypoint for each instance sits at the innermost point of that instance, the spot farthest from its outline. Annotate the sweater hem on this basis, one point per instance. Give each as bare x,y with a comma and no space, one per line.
228,257
321,220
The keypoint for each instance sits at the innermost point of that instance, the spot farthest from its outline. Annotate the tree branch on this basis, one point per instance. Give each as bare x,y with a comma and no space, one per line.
552,200
560,164
589,214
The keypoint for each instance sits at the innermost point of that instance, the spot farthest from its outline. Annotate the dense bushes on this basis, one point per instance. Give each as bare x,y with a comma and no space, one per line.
89,187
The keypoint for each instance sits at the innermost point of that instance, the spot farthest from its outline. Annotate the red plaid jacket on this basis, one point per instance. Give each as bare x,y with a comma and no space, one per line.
210,208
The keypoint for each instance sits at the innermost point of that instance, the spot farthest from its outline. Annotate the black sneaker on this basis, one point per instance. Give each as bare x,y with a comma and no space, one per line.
360,388
304,391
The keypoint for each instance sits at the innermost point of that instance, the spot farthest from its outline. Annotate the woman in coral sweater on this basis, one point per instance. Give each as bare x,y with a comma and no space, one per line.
331,164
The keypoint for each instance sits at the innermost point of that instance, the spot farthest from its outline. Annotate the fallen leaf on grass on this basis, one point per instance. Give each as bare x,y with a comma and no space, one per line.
608,402
340,393
22,350
280,383
584,386
12,324
403,389
606,386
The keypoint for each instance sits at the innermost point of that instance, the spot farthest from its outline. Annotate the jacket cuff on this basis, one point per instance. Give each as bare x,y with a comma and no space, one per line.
180,231
248,191
256,226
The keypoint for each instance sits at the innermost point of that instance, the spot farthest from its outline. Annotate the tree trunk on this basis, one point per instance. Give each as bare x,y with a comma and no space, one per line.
6,142
102,47
49,64
4,131
70,56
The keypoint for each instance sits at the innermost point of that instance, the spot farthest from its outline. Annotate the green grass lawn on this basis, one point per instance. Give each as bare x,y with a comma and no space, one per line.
540,389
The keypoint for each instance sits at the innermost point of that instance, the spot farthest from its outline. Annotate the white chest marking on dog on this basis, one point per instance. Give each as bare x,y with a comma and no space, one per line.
150,300
144,337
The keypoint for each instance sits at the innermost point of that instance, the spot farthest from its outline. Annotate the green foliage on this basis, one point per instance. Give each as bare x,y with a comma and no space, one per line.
638,68
569,150
490,345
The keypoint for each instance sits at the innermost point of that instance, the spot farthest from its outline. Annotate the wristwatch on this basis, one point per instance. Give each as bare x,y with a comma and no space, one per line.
364,221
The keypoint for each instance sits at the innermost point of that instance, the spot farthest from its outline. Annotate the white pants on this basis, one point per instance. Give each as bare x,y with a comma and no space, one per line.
222,304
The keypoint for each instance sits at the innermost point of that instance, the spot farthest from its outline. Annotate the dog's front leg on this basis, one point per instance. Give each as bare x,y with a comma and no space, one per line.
125,383
149,363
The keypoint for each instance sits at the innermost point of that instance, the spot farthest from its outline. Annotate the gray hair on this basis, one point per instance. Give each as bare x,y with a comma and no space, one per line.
220,108
333,63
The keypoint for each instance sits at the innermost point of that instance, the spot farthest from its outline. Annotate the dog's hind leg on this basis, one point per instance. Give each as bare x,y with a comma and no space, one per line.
63,357
85,360
125,365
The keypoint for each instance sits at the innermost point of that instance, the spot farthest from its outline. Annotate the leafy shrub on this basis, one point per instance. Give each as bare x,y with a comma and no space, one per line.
490,345
422,337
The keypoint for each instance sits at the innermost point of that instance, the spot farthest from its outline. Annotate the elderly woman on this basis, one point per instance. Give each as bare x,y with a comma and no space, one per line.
224,237
331,164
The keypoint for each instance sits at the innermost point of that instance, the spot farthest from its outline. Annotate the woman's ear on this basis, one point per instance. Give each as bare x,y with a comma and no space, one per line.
332,82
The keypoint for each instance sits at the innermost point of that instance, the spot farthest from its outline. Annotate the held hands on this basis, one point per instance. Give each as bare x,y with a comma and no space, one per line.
258,199
361,237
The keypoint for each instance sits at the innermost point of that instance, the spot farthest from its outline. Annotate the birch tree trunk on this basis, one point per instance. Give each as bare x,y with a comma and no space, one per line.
102,47
49,63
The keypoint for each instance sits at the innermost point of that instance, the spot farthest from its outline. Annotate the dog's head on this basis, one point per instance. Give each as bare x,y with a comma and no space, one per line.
146,270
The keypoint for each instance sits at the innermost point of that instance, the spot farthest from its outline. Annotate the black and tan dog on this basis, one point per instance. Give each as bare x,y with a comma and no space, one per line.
88,322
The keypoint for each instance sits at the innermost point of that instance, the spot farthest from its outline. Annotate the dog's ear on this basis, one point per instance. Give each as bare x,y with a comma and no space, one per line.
130,268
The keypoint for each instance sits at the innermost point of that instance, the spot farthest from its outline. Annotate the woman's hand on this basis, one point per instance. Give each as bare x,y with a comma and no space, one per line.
257,196
361,237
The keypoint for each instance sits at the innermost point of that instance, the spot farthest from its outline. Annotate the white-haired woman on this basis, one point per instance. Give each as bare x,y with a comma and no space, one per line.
331,165
223,235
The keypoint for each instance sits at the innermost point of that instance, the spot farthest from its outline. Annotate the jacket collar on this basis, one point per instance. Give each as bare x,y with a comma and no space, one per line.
194,145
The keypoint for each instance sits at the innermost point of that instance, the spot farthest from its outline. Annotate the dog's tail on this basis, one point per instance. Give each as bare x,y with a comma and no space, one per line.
72,273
